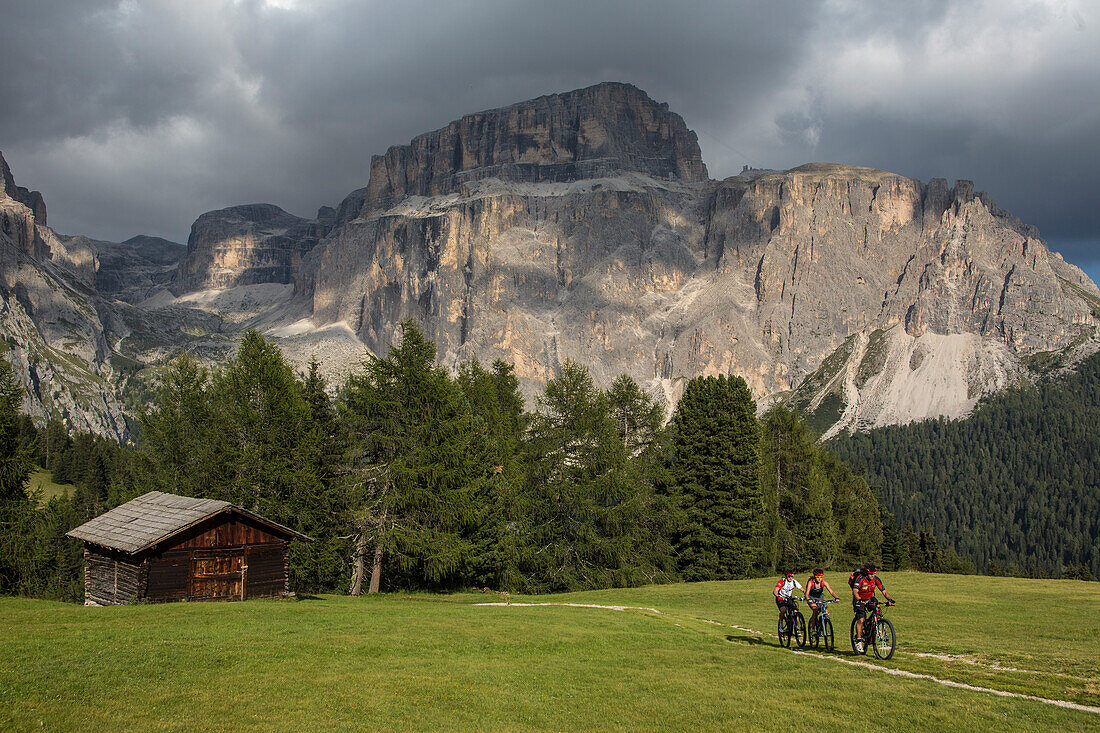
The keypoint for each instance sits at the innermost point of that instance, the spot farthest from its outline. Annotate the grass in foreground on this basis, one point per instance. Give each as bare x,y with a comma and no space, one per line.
440,662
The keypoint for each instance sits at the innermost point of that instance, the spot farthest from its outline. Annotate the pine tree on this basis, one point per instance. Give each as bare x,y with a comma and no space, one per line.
182,448
716,472
16,456
856,513
323,420
273,455
638,417
419,463
16,464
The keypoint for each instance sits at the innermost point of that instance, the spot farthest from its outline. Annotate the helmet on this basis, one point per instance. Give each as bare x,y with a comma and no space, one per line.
818,571
788,571
871,567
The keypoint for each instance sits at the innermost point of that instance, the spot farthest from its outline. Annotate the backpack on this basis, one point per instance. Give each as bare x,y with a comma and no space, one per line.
857,573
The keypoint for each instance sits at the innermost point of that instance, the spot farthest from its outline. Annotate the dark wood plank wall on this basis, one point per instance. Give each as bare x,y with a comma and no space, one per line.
168,576
223,530
226,557
267,573
112,578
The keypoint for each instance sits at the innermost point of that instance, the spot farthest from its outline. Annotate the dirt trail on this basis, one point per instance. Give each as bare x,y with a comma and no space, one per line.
852,662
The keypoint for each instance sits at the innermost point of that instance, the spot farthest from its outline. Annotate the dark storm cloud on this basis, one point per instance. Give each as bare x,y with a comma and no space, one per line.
138,116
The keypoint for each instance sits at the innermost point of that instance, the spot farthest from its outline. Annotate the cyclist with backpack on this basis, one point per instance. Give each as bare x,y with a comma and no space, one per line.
865,582
815,593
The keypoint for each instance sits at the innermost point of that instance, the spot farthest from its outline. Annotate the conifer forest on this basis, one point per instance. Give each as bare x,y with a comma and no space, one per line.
413,478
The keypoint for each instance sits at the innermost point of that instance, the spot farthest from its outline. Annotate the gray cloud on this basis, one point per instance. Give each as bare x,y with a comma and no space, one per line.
138,116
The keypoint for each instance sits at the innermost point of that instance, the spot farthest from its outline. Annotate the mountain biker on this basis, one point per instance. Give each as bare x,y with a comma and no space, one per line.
784,589
863,595
815,593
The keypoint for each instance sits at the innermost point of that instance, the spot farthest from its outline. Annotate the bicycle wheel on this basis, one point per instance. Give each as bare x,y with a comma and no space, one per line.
883,639
854,639
784,633
799,631
813,634
827,634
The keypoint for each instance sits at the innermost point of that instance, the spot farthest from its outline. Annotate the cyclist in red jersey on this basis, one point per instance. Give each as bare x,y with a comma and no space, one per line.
863,592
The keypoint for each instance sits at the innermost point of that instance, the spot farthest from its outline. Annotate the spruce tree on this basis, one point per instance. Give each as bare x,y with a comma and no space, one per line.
716,472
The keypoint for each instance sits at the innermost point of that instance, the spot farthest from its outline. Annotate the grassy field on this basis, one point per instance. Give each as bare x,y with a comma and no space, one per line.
426,662
42,480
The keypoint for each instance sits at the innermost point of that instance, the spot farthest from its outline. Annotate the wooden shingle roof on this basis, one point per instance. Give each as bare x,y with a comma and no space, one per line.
150,518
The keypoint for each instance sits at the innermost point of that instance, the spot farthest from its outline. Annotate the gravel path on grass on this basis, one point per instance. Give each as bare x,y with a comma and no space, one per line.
851,662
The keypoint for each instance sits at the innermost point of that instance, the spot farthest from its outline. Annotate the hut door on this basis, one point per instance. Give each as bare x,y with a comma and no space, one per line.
217,575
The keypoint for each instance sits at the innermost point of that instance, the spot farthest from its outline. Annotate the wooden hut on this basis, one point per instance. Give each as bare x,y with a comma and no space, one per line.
163,547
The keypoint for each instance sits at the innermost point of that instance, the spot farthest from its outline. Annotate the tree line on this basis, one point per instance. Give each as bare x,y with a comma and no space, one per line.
413,478
1014,489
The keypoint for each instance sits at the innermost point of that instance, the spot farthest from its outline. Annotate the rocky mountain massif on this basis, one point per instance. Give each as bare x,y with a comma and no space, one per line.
584,226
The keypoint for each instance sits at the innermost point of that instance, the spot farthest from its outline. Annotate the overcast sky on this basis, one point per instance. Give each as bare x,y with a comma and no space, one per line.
135,117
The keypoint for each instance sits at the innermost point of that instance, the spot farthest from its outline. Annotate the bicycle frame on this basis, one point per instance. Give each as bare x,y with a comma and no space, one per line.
823,613
874,615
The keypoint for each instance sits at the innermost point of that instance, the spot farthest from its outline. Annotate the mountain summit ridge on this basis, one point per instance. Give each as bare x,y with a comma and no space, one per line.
592,132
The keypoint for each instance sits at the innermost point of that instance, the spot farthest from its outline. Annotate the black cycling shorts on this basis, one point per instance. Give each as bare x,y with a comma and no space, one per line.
785,603
861,607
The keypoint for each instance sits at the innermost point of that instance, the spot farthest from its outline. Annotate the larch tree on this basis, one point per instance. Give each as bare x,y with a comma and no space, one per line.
419,462
798,491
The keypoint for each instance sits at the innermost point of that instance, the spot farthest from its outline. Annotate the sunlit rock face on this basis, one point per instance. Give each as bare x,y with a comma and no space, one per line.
766,275
246,245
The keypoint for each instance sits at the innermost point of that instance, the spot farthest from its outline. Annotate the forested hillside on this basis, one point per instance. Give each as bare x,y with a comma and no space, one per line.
412,478
1015,487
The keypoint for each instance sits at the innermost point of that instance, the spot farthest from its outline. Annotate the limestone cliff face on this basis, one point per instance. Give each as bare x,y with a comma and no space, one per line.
534,273
839,249
20,211
31,199
51,325
588,133
75,349
134,270
245,245
766,275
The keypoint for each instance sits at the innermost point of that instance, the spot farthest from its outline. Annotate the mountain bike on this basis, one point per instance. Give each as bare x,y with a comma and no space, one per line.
878,632
792,624
822,631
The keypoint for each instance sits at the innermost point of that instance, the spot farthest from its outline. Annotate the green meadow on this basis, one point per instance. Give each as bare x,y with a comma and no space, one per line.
442,662
42,481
